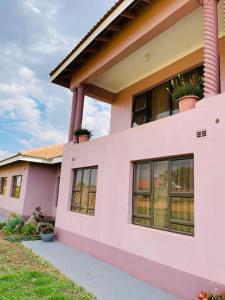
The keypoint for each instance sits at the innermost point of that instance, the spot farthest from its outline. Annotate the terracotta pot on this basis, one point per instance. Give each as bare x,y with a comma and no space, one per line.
187,102
84,138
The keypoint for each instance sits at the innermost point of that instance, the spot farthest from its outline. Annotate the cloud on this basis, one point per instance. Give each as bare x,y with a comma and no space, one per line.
35,36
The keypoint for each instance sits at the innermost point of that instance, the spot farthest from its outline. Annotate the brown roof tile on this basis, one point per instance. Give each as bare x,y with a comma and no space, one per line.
48,152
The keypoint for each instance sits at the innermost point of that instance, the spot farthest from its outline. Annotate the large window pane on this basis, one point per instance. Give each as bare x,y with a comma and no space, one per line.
78,180
142,177
161,194
160,102
3,183
182,176
94,173
142,205
182,209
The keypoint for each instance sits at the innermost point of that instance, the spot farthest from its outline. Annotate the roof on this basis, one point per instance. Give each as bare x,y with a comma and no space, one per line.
122,12
46,155
48,152
89,33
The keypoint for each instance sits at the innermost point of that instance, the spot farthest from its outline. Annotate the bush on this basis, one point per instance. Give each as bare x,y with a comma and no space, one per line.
28,230
82,131
14,225
211,296
2,224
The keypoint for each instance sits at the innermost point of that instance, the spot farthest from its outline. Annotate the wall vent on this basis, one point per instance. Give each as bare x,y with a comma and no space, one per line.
201,134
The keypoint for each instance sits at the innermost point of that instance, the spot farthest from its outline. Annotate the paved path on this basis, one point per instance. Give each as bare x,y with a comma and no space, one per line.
2,218
105,281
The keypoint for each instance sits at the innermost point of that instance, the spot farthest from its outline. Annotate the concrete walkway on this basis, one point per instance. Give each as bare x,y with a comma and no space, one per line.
105,281
3,218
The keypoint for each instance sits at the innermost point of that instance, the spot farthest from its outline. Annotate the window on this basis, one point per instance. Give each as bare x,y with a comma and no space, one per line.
84,190
163,194
157,103
3,184
16,186
57,191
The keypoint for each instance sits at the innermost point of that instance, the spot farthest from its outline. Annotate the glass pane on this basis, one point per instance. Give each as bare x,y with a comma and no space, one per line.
160,107
183,228
76,199
91,200
86,178
161,194
93,179
175,106
140,118
141,221
142,177
84,200
183,176
142,205
140,102
78,178
91,212
18,180
182,209
4,183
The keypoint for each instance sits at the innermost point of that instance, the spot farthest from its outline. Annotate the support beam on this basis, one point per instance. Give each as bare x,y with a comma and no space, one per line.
128,15
101,94
79,109
73,114
102,39
115,28
211,48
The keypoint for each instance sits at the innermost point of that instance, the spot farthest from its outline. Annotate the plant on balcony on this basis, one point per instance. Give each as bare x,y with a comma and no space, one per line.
83,134
211,296
187,91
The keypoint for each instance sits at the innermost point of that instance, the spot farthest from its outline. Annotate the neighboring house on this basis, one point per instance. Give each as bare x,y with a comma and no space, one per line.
30,179
149,199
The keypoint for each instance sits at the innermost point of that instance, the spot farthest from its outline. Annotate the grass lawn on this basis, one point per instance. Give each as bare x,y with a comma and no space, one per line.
23,276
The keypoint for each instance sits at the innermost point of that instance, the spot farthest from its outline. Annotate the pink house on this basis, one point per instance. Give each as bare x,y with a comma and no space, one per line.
31,179
149,197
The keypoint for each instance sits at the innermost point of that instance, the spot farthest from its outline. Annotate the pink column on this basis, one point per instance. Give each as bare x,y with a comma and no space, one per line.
73,114
211,48
79,109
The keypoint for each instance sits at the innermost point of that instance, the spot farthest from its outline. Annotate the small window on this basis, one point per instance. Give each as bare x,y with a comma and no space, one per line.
157,103
3,184
163,194
57,191
16,186
84,190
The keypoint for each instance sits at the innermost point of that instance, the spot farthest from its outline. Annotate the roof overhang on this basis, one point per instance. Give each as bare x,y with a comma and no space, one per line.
25,158
95,39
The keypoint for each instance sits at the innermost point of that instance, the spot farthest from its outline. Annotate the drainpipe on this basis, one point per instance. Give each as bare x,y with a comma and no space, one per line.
79,109
211,48
73,114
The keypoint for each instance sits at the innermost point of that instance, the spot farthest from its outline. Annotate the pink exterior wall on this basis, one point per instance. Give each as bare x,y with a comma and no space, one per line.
38,188
41,189
201,255
7,203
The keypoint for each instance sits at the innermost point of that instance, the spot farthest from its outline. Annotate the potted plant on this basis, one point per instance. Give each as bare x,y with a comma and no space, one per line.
187,91
83,135
46,231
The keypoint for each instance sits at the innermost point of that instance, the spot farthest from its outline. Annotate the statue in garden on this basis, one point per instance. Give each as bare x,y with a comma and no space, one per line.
37,217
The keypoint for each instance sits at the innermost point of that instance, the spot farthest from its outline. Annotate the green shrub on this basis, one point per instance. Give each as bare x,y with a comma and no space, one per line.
14,225
2,224
28,230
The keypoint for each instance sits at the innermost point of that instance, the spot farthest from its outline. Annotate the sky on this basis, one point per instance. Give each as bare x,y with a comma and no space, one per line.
35,36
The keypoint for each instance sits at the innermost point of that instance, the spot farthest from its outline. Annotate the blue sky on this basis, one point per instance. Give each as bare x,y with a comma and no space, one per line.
35,36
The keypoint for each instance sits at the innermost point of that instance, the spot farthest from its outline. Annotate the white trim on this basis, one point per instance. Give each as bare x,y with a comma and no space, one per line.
97,31
30,159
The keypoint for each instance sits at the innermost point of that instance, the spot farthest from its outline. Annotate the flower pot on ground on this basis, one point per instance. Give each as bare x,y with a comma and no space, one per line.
83,135
46,232
186,90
